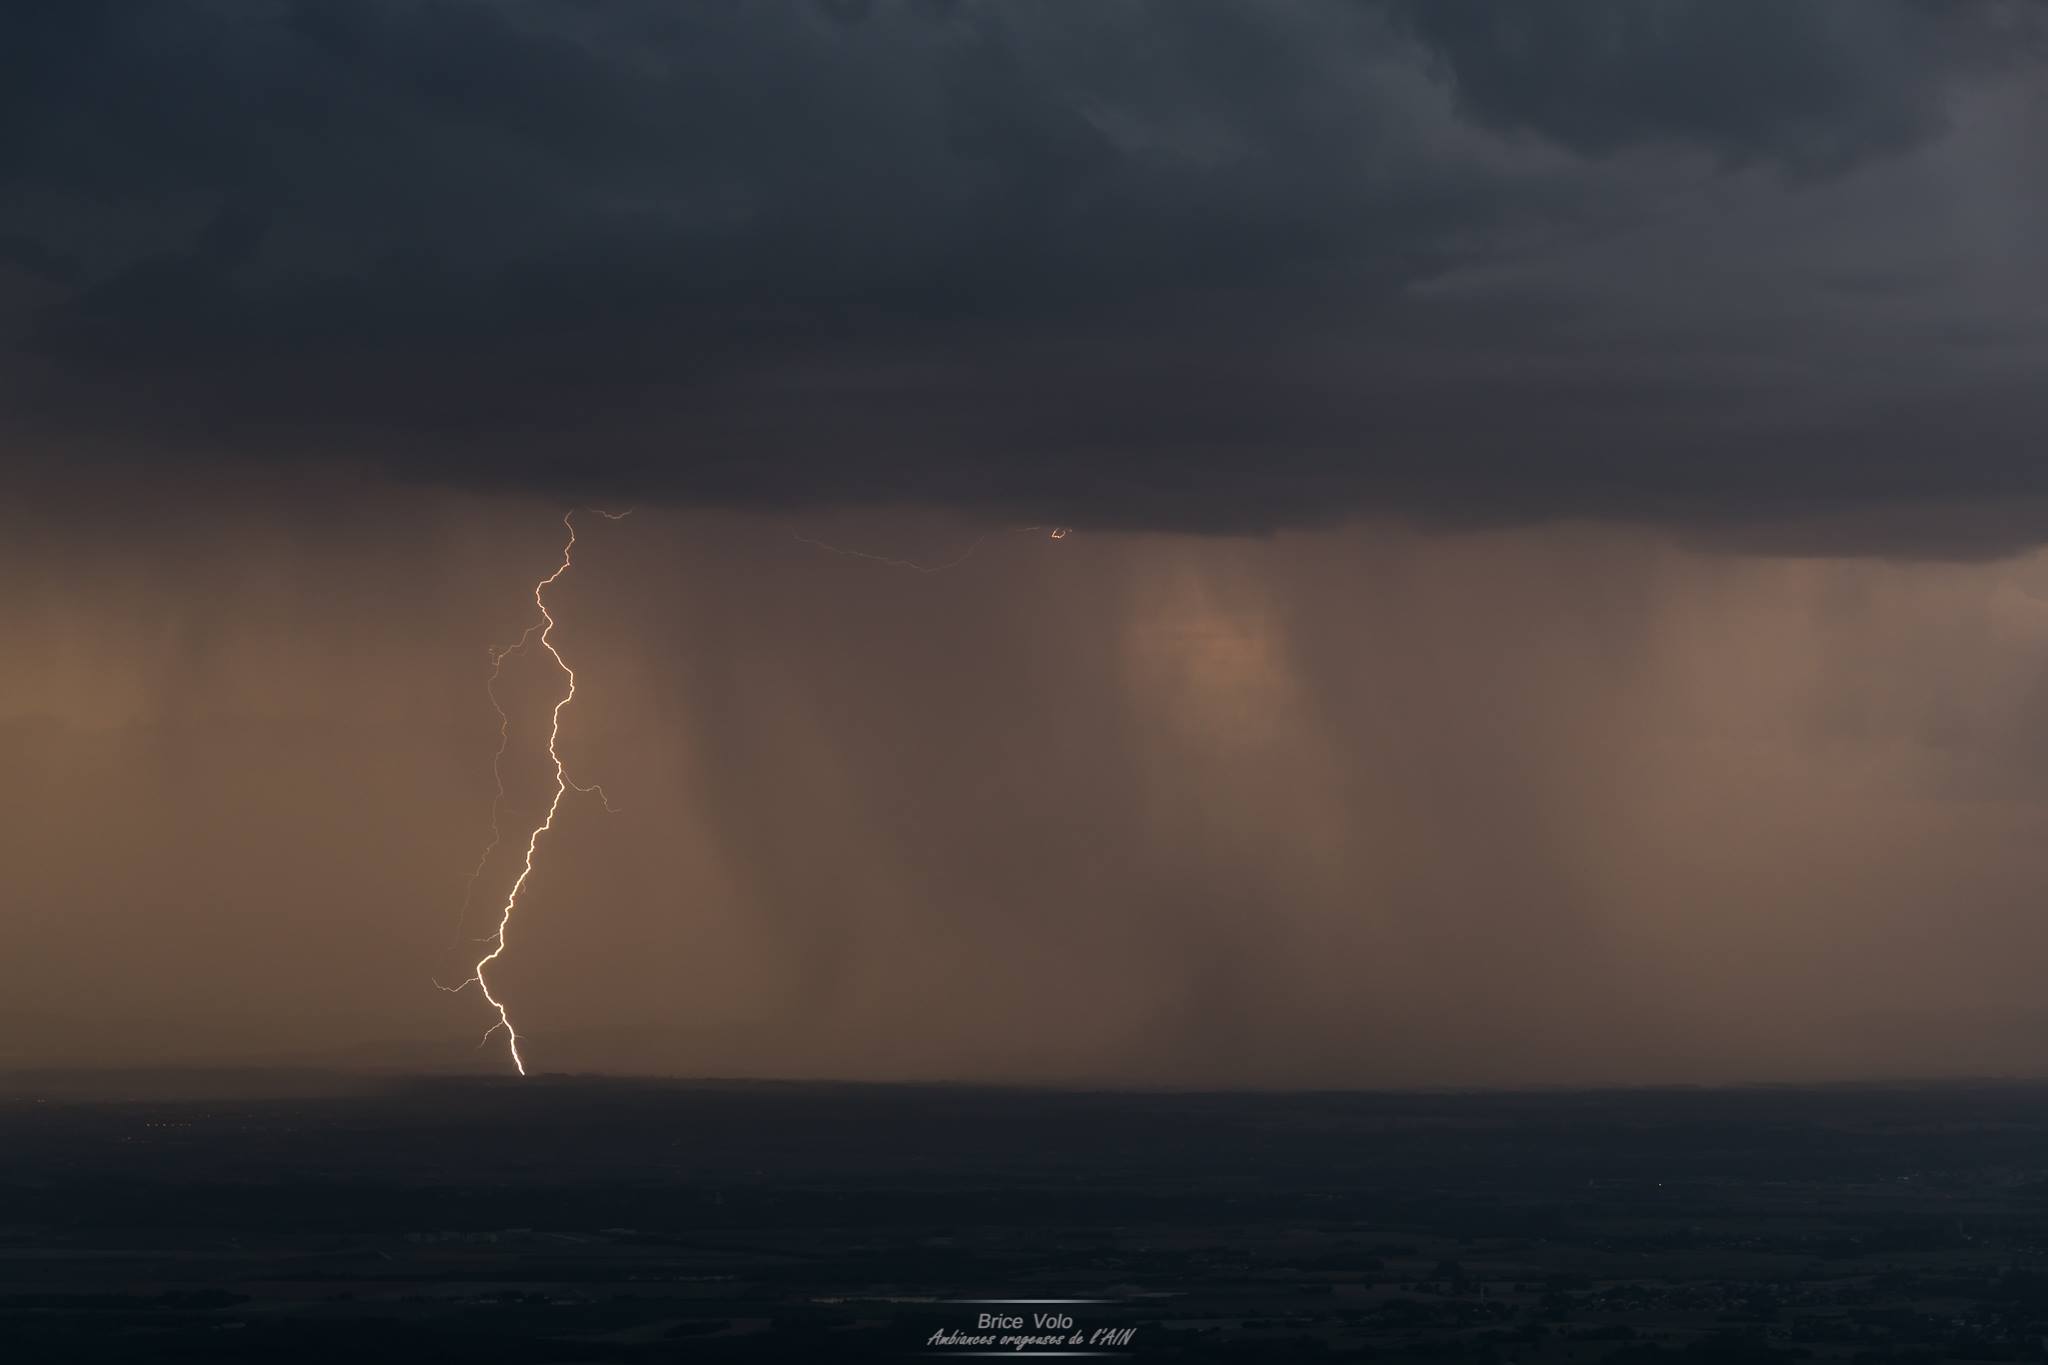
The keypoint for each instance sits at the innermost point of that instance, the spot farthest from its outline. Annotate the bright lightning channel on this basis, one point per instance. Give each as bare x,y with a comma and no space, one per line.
563,784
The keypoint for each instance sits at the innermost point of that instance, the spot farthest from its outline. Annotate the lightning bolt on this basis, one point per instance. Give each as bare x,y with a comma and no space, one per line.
1056,533
544,629
563,785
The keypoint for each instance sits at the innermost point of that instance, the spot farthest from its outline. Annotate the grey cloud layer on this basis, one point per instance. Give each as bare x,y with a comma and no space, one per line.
1739,263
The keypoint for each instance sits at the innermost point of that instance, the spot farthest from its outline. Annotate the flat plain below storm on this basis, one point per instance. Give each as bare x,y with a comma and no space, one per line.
310,1216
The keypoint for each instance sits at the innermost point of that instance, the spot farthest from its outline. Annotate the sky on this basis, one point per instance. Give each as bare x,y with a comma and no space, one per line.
1556,590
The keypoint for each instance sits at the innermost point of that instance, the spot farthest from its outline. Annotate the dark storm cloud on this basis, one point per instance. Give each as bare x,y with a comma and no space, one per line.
1191,264
1816,84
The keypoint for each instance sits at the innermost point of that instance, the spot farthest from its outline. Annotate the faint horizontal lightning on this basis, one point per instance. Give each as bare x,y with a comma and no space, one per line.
1056,532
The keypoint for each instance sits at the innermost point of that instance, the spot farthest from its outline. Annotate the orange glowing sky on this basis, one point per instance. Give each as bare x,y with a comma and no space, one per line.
1360,805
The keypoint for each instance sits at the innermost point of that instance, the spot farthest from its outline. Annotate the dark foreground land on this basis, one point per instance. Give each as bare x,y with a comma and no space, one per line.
566,1220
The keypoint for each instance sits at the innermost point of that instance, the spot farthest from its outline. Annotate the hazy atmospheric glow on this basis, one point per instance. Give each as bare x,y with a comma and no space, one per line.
1357,805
